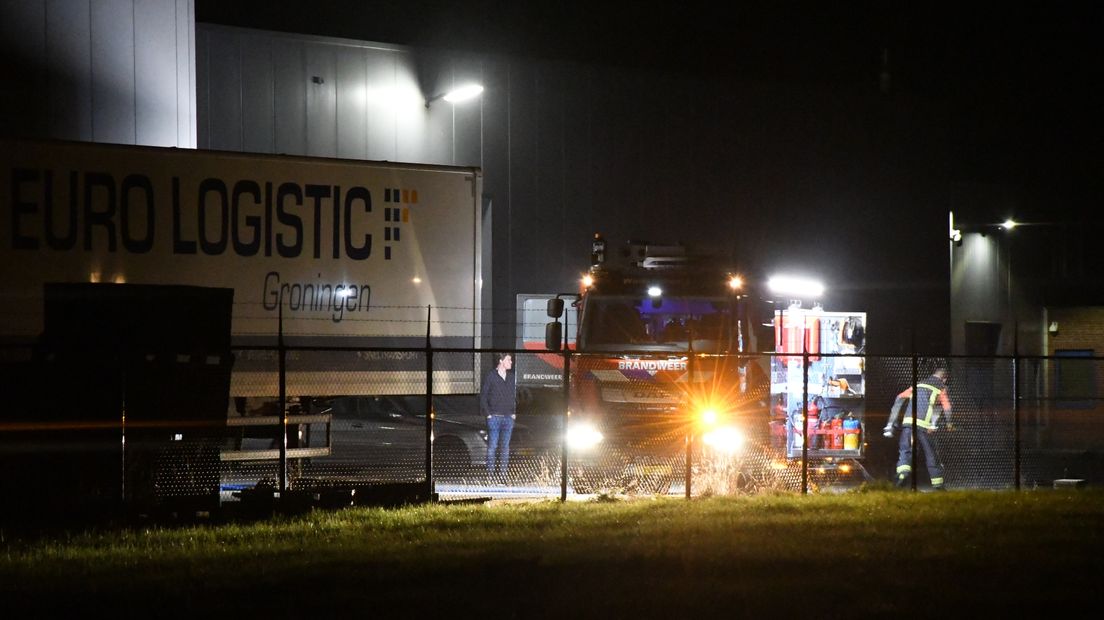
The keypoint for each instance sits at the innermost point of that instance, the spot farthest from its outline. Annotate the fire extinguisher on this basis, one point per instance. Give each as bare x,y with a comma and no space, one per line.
837,434
780,408
813,420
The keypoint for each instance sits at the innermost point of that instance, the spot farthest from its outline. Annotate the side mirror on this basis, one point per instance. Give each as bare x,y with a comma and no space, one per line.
555,307
553,336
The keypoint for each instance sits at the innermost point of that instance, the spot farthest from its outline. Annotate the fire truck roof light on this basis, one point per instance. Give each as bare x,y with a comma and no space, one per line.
798,287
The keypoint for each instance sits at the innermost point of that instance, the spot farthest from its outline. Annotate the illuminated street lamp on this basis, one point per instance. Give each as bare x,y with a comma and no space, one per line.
458,94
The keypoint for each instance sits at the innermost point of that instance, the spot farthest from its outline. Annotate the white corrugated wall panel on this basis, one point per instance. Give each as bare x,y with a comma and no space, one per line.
467,119
258,133
410,117
113,84
290,105
154,81
120,71
352,117
382,119
186,59
224,93
321,101
68,37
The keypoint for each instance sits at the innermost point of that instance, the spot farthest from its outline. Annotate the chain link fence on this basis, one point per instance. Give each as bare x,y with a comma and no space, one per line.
103,432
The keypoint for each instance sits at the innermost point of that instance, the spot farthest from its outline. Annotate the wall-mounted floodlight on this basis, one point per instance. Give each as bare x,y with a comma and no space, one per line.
796,287
456,95
1009,224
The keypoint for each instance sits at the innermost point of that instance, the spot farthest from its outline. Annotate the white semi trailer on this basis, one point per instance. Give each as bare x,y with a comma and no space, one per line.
332,252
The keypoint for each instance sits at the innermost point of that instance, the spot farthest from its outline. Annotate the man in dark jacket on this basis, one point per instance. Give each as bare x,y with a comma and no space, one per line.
497,402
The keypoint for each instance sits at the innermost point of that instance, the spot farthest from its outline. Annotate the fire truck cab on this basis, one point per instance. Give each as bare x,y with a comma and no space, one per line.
663,339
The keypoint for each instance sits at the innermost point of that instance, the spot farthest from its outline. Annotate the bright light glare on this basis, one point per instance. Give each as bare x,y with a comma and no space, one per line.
735,283
1009,224
725,439
654,291
583,436
709,416
343,293
799,287
464,93
588,280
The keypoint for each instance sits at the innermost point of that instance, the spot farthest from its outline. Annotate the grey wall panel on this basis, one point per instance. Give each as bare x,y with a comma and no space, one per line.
578,196
155,72
381,118
203,97
528,267
352,112
23,68
258,134
496,166
602,145
98,70
68,37
290,106
410,117
113,86
186,62
224,92
545,225
467,119
321,101
436,75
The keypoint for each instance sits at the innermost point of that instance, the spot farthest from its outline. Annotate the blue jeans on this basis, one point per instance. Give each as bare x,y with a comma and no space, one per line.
499,429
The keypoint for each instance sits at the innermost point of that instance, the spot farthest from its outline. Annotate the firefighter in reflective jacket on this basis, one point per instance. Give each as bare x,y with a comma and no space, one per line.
932,405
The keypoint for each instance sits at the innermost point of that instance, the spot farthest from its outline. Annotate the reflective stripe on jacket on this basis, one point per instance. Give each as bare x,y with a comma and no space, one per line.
929,405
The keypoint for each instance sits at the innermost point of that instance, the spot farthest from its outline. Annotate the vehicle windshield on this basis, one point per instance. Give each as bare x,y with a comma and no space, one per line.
633,323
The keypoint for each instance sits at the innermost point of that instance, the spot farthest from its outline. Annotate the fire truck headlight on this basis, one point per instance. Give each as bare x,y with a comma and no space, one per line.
725,439
583,436
709,417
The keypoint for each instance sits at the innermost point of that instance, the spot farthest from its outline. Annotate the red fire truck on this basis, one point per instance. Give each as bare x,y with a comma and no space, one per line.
659,340
673,358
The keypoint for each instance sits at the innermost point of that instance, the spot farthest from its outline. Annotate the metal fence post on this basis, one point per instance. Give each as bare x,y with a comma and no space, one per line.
430,487
690,367
122,434
282,397
566,419
805,419
1016,407
912,403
